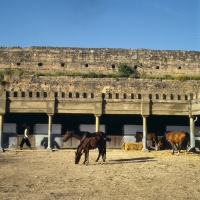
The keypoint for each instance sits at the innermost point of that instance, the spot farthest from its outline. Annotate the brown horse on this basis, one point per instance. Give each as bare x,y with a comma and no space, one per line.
150,136
175,137
96,141
81,135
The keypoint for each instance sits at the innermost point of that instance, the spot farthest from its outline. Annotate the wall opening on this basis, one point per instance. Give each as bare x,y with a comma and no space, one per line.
70,95
7,94
157,96
23,94
40,64
132,96
117,96
63,95
15,94
62,64
86,65
30,94
164,96
84,95
77,95
113,66
45,94
186,98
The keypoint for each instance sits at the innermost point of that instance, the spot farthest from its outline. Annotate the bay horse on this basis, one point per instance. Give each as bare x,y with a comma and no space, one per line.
150,136
81,135
96,141
175,137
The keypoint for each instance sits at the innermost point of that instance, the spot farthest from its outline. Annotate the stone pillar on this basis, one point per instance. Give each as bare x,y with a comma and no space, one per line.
1,132
49,148
192,136
144,140
97,123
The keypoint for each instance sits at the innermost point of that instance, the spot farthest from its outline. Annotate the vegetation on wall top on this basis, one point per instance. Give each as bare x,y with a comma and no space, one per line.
123,71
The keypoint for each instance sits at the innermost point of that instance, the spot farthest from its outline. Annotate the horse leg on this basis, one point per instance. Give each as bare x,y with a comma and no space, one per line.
179,148
103,154
87,157
98,155
172,144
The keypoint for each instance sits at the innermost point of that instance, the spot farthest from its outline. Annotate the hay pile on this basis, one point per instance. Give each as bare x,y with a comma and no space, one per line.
132,146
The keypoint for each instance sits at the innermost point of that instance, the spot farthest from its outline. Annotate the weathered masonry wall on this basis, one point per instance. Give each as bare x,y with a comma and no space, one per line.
64,94
99,96
125,88
52,59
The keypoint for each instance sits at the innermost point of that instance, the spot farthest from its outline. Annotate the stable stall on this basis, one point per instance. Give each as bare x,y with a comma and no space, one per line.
187,129
40,132
9,135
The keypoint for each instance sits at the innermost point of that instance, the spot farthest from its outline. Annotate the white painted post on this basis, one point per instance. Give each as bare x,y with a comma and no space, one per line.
144,140
97,117
49,132
192,136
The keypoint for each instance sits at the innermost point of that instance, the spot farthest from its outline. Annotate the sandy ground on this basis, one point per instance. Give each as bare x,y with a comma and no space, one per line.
41,175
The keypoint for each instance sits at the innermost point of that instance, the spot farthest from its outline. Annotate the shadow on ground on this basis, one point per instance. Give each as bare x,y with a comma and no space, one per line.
131,160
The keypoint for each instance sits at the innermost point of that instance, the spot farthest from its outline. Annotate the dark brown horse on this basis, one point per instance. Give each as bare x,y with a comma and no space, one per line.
81,135
150,136
96,141
175,137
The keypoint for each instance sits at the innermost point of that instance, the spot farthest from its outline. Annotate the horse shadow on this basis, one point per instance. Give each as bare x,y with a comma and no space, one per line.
131,160
54,144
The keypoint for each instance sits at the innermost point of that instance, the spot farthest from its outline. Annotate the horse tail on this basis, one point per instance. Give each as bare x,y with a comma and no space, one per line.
108,139
186,141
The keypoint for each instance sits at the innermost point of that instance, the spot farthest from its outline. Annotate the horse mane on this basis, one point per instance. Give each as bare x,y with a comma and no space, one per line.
163,138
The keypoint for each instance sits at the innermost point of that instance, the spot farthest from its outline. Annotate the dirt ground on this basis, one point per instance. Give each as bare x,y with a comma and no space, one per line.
44,175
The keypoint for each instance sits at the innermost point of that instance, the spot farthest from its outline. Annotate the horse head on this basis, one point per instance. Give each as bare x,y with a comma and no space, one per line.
138,134
67,135
78,157
160,142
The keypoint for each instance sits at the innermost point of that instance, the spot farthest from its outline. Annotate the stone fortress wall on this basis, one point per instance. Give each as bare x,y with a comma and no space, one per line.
54,59
102,60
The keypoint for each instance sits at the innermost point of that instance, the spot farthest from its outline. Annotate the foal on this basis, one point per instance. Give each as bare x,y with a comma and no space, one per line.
91,143
82,135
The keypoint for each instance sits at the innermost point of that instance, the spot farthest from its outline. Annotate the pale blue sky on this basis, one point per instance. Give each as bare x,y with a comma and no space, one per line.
150,24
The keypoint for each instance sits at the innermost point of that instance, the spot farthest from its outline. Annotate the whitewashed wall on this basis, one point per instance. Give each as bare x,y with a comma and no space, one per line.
9,135
129,131
9,128
91,128
41,135
184,128
43,128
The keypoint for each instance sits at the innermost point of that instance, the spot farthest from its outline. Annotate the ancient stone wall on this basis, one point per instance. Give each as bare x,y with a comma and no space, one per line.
123,88
100,60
